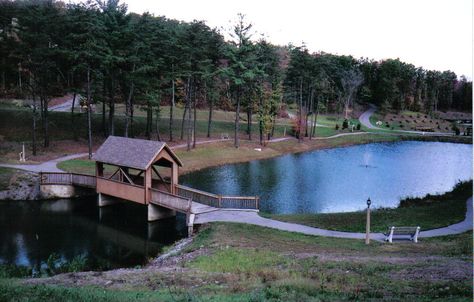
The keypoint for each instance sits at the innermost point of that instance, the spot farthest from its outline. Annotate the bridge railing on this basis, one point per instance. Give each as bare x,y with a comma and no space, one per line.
171,201
65,178
218,201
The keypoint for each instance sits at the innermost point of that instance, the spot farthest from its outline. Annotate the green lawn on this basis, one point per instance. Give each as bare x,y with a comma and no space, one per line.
429,212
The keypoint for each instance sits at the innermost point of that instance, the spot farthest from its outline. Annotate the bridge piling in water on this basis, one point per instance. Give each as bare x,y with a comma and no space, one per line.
156,212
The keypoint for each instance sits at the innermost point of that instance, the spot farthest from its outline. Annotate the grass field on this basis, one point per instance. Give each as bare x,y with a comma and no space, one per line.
429,212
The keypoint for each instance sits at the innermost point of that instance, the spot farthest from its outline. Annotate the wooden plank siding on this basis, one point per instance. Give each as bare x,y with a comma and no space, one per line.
121,190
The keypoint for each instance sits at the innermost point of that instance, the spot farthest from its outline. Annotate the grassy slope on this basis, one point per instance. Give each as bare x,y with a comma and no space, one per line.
238,262
429,212
5,175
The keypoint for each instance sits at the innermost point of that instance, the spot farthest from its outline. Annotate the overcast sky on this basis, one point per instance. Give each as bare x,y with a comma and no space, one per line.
434,34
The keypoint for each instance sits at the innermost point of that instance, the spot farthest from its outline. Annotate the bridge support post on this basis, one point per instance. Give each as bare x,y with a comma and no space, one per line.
190,223
156,212
104,200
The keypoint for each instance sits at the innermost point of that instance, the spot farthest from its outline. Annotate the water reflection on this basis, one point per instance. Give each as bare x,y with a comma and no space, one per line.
109,237
341,179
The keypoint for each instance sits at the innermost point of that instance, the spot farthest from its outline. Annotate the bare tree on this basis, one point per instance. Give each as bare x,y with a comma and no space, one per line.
350,82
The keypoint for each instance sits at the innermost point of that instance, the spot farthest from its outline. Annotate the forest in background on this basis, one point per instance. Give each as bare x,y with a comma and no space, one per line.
109,56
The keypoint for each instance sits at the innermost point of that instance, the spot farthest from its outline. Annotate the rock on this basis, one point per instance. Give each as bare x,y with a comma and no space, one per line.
24,186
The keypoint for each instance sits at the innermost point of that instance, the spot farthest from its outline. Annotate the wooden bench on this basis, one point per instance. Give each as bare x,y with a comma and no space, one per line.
402,231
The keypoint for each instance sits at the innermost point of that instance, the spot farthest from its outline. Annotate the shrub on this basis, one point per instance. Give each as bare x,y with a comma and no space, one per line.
337,126
345,124
358,126
456,130
401,126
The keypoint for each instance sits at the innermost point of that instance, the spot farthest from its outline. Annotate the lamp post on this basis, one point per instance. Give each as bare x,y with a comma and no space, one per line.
367,227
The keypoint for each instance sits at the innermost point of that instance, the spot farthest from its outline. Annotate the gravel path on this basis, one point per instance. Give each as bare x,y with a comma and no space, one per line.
252,217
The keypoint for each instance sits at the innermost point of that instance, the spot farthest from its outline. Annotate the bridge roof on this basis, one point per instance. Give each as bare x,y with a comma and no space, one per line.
131,152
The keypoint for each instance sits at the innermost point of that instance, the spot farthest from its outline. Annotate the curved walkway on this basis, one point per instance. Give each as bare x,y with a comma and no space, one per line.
47,166
364,119
252,217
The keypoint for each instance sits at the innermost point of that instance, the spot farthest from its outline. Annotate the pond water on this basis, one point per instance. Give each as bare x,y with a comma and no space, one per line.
68,229
341,179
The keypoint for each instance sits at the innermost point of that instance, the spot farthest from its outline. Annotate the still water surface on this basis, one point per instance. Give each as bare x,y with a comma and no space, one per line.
341,179
110,237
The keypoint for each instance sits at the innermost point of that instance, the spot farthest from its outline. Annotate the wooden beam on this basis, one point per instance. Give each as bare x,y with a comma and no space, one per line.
114,173
126,176
157,173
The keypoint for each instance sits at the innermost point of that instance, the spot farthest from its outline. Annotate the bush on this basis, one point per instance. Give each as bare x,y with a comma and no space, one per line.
358,126
457,131
337,126
345,124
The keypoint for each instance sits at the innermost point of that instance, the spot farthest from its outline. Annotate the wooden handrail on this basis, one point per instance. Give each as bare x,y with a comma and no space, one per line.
196,191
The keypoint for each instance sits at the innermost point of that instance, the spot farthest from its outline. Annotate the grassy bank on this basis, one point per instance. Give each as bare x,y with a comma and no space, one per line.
215,154
237,262
429,212
6,175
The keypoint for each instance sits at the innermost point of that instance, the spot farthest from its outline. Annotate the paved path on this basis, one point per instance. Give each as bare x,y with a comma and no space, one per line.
364,119
66,106
48,166
252,217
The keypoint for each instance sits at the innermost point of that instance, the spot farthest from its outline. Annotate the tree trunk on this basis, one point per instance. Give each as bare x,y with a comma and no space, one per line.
149,117
89,124
194,120
157,125
261,114
111,108
3,74
104,128
310,109
45,122
300,113
315,119
171,110
73,126
209,121
34,124
249,122
128,109
189,128
237,116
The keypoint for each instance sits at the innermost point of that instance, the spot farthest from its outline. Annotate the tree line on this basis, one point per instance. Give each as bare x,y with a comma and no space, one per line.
99,50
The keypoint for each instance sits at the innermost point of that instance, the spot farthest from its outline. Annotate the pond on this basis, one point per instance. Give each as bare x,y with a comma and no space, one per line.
31,232
341,179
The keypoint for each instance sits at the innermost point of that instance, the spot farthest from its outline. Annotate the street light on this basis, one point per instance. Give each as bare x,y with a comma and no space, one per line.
367,227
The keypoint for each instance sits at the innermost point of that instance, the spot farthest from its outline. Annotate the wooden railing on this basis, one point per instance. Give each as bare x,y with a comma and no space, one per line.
218,201
64,178
171,201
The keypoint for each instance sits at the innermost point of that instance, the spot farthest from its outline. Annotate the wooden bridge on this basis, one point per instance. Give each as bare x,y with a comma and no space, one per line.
146,172
188,200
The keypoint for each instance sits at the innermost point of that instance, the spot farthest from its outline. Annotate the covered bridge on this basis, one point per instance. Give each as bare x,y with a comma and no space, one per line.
133,169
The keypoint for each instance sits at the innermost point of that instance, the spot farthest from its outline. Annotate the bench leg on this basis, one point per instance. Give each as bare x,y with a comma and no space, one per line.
390,236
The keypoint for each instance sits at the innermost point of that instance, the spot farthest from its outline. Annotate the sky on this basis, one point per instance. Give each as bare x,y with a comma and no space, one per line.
434,34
